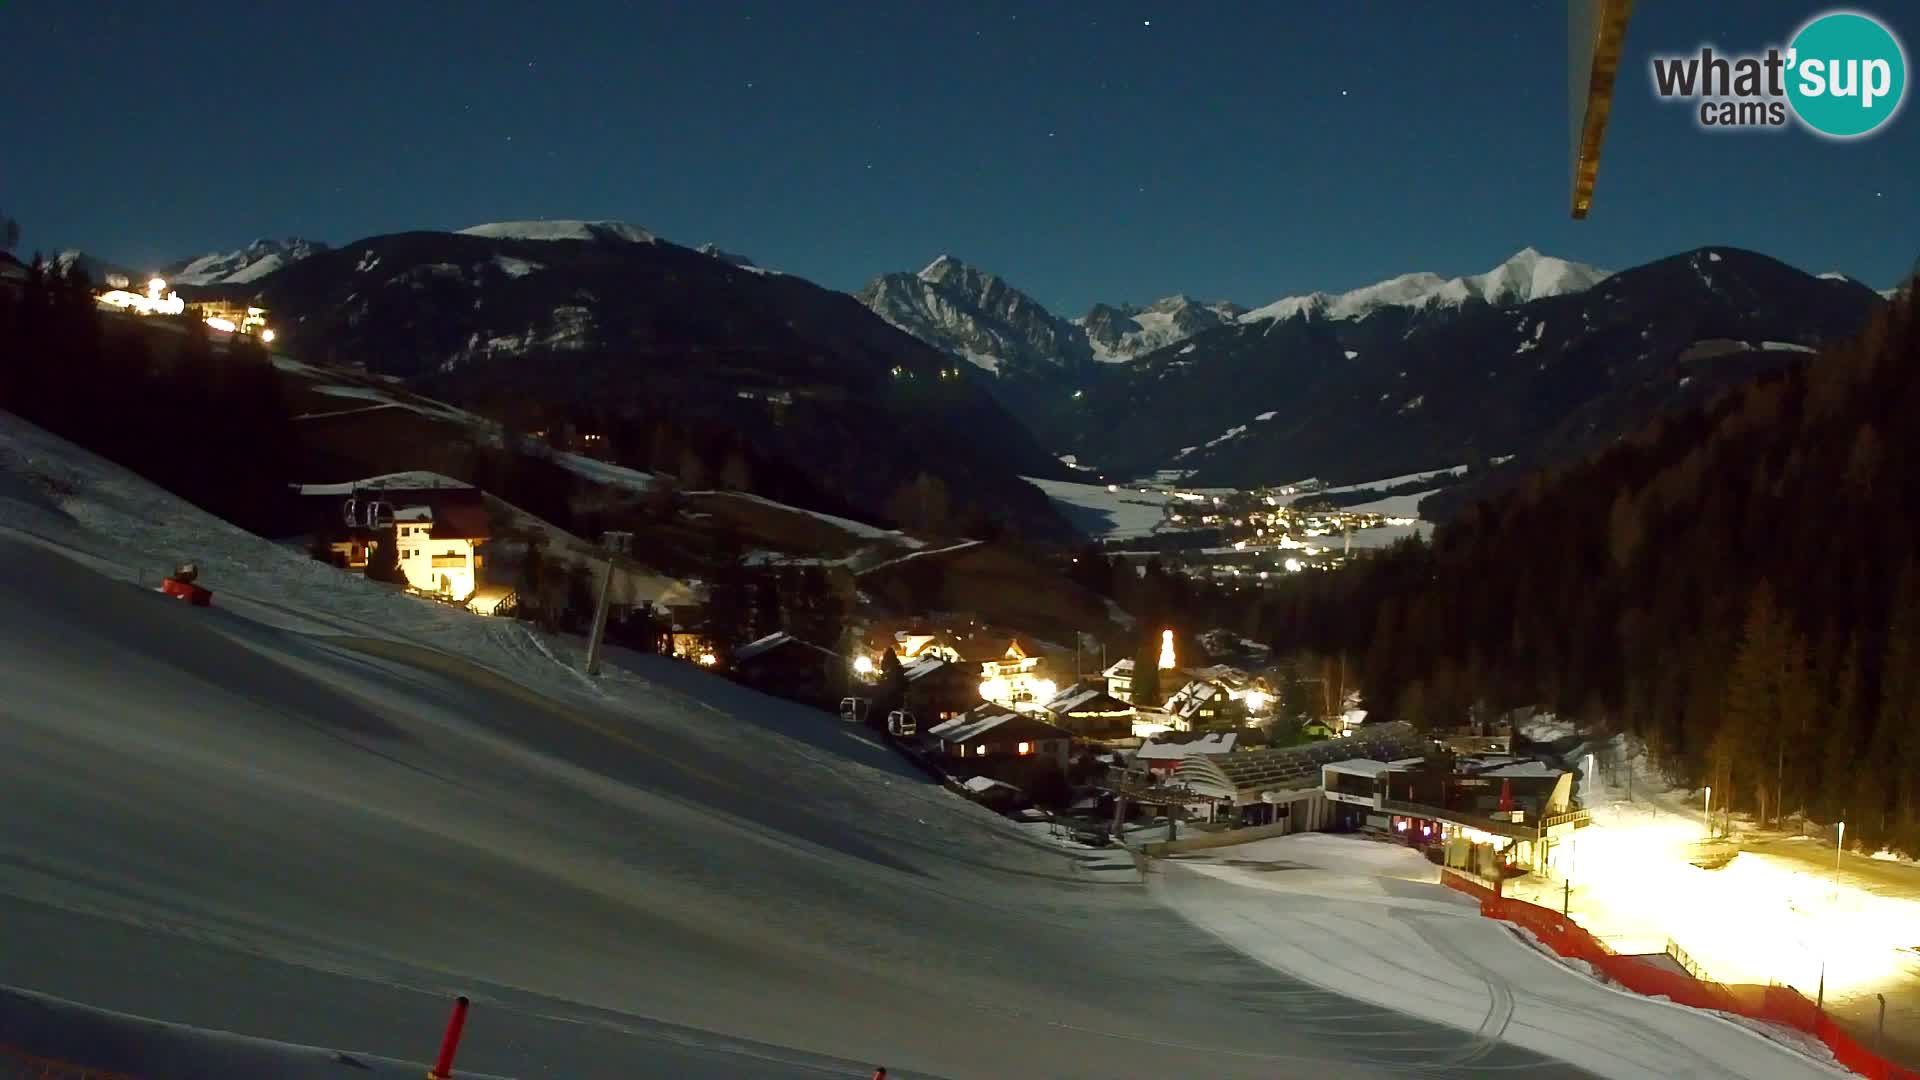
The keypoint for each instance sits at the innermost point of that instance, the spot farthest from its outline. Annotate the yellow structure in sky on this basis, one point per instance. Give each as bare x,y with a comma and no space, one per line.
1596,35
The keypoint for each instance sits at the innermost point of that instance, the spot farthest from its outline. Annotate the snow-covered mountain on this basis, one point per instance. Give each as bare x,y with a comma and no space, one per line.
1528,275
244,265
970,313
714,250
604,231
1122,332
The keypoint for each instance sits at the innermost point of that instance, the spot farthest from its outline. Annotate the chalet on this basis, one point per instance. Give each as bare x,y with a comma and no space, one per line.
923,641
438,548
691,646
783,665
1120,680
1513,808
1014,678
232,318
439,526
1285,784
995,733
1201,704
1091,712
938,690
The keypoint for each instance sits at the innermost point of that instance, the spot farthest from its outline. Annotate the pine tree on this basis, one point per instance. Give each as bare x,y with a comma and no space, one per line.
729,609
1898,724
1760,695
1146,673
892,690
1843,735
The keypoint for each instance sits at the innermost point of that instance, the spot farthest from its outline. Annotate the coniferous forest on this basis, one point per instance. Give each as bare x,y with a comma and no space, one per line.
1739,585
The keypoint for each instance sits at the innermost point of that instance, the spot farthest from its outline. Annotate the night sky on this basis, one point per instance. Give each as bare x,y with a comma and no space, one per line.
1104,151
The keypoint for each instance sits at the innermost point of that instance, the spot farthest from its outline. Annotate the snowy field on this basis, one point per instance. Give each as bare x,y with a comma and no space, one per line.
1384,535
1383,484
1367,920
1393,505
317,809
1783,909
1122,514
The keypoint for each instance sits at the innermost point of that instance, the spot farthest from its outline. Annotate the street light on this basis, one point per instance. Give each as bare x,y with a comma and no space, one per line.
1706,811
1833,907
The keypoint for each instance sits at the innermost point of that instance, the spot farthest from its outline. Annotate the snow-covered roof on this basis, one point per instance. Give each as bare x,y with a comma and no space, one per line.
1190,698
413,513
921,667
400,481
1294,768
1359,767
1213,742
980,785
759,646
994,719
1225,674
1083,697
1121,669
1524,770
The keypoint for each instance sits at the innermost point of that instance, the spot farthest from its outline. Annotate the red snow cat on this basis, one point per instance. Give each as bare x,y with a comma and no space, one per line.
182,585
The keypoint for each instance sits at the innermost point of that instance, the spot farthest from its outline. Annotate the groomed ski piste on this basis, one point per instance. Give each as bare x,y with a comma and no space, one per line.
316,811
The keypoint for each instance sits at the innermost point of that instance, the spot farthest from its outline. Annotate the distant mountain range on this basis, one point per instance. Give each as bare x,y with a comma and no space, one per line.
1535,359
977,316
1528,363
247,264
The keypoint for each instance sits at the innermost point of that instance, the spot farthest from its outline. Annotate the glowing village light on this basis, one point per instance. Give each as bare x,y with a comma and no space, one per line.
1166,650
863,665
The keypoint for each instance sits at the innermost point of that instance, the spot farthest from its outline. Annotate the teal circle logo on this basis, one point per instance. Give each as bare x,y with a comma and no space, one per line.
1847,74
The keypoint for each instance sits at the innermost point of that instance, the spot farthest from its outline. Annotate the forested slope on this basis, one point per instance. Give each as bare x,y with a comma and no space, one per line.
1737,583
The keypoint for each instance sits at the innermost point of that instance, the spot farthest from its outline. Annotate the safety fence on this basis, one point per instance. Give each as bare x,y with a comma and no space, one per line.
1774,1004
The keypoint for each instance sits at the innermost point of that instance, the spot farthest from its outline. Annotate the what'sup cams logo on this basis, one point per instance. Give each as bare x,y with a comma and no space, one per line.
1843,75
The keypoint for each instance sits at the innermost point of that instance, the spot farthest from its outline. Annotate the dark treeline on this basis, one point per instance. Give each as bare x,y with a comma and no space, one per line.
207,422
1737,584
715,453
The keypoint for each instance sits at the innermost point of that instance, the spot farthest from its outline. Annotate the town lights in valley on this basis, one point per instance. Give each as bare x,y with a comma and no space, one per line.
707,659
